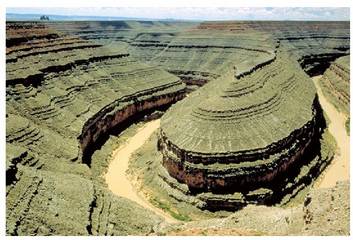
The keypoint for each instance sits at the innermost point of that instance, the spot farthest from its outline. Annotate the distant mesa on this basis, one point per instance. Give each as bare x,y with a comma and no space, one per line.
44,18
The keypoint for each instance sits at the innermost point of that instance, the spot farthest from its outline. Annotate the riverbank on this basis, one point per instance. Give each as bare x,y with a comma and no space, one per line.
338,170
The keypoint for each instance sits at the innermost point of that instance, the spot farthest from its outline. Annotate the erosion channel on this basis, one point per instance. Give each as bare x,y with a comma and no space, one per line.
338,170
117,178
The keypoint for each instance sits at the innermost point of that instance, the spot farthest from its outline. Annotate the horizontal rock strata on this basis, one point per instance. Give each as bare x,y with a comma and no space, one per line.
244,136
63,93
69,84
335,83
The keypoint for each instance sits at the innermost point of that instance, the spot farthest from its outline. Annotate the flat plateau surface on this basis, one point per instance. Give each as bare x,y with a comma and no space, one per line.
116,177
338,170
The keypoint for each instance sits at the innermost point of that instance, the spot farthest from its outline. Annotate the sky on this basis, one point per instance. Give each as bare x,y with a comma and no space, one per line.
199,13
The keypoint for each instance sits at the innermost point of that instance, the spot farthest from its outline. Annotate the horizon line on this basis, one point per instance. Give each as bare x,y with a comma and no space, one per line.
127,18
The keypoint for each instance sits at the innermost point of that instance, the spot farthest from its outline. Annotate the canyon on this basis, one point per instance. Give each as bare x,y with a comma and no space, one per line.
240,121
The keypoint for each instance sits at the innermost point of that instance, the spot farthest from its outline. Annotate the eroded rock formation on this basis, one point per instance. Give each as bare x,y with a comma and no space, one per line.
63,93
335,83
245,134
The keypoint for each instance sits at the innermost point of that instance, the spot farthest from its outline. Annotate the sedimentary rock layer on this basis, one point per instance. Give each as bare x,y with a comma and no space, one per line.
63,93
83,84
246,133
335,83
197,59
252,123
183,47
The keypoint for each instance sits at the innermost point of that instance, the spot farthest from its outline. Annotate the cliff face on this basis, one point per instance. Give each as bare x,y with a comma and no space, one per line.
239,129
222,142
236,150
335,84
197,59
63,93
234,177
78,84
114,114
316,45
170,45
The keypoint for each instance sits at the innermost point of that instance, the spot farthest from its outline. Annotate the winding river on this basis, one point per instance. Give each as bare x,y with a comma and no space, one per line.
338,170
119,183
116,176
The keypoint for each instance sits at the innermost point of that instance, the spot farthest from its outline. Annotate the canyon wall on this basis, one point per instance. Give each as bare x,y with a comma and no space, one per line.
219,156
63,93
335,84
69,84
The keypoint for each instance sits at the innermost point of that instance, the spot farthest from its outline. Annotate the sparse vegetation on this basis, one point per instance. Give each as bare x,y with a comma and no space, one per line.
166,207
74,91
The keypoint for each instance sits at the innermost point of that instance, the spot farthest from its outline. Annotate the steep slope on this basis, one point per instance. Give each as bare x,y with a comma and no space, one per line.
63,96
335,84
244,136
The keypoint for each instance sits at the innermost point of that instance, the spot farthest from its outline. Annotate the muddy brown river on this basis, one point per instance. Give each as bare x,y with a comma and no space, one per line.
338,170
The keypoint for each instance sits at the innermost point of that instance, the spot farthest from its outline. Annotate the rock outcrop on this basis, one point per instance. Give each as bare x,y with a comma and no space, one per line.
221,144
235,140
63,95
324,212
335,83
245,134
